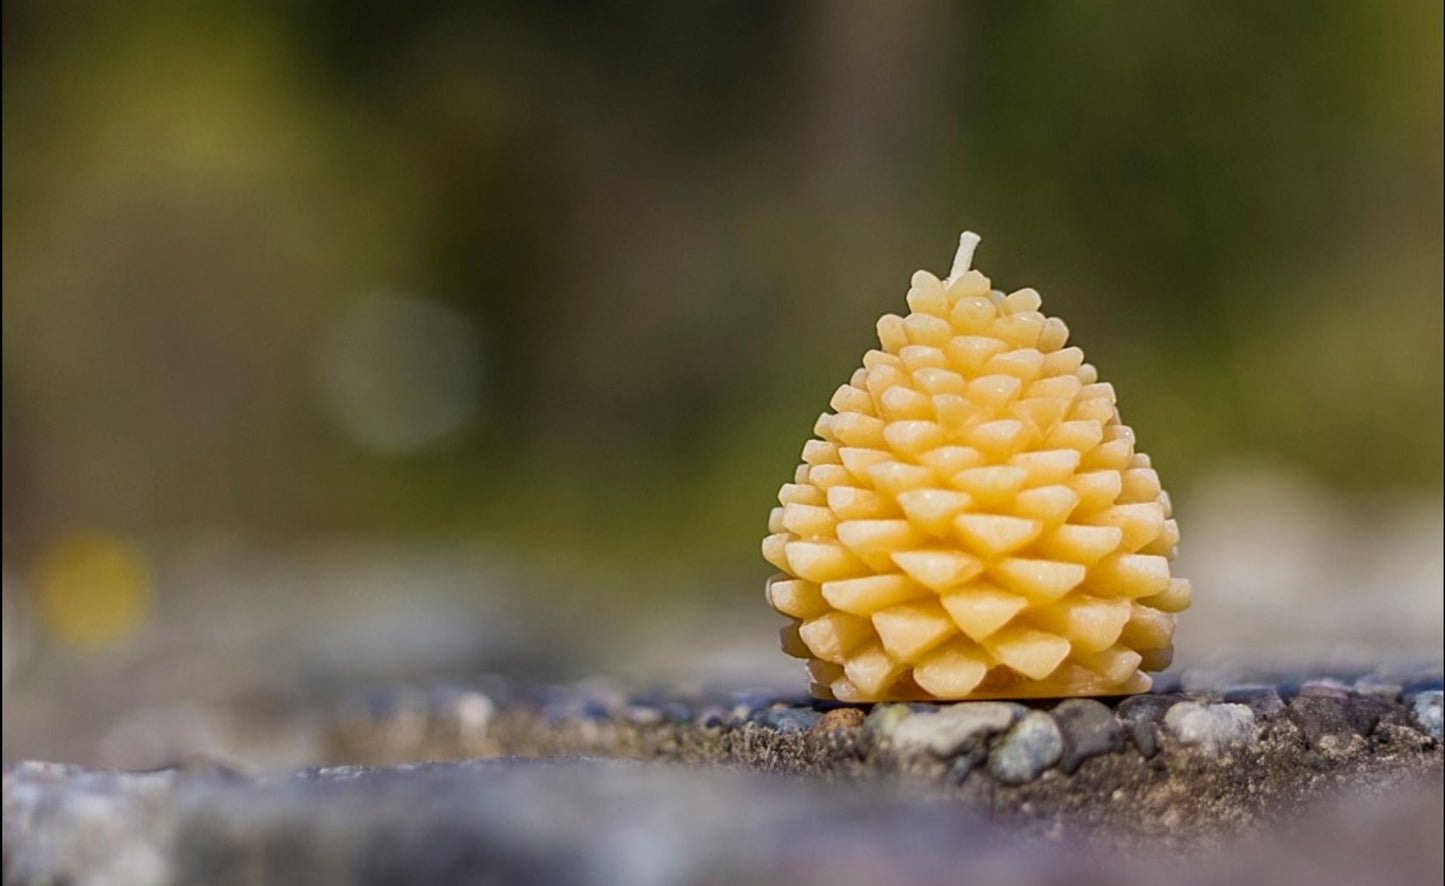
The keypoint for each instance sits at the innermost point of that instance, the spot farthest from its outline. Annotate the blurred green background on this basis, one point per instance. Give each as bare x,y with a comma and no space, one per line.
571,280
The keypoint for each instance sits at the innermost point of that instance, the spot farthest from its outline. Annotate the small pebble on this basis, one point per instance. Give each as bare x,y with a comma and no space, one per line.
758,717
1263,700
1319,716
879,726
384,703
749,705
792,719
1326,688
1379,688
643,715
594,709
966,762
839,720
947,730
1089,729
753,699
677,712
1033,745
560,705
1141,716
1426,709
1213,726
471,712
712,717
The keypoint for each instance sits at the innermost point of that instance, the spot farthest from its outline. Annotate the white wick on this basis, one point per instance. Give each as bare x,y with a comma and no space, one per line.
967,242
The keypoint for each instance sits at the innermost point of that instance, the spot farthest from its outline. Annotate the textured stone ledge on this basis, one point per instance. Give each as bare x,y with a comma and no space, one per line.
1138,790
1167,766
602,823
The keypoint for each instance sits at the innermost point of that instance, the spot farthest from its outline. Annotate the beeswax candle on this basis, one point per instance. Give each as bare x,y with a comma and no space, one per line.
972,520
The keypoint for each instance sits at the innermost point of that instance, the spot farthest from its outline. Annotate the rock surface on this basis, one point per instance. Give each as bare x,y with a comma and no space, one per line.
527,822
921,793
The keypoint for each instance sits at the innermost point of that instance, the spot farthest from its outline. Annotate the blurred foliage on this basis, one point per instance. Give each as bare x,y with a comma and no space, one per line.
672,227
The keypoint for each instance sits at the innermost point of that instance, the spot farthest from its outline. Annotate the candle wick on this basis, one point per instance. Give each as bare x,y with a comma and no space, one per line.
967,242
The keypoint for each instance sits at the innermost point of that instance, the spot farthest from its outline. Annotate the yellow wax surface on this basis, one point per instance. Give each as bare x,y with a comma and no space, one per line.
972,520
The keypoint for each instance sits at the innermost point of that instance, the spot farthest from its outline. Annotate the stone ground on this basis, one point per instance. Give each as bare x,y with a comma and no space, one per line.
1256,778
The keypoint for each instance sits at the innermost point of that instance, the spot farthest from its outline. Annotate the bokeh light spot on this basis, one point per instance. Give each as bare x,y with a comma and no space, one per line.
93,590
399,374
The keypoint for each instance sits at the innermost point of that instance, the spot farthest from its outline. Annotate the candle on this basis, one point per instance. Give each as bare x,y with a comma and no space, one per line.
972,519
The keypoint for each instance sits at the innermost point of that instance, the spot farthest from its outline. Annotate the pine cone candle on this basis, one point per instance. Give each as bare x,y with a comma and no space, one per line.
973,520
